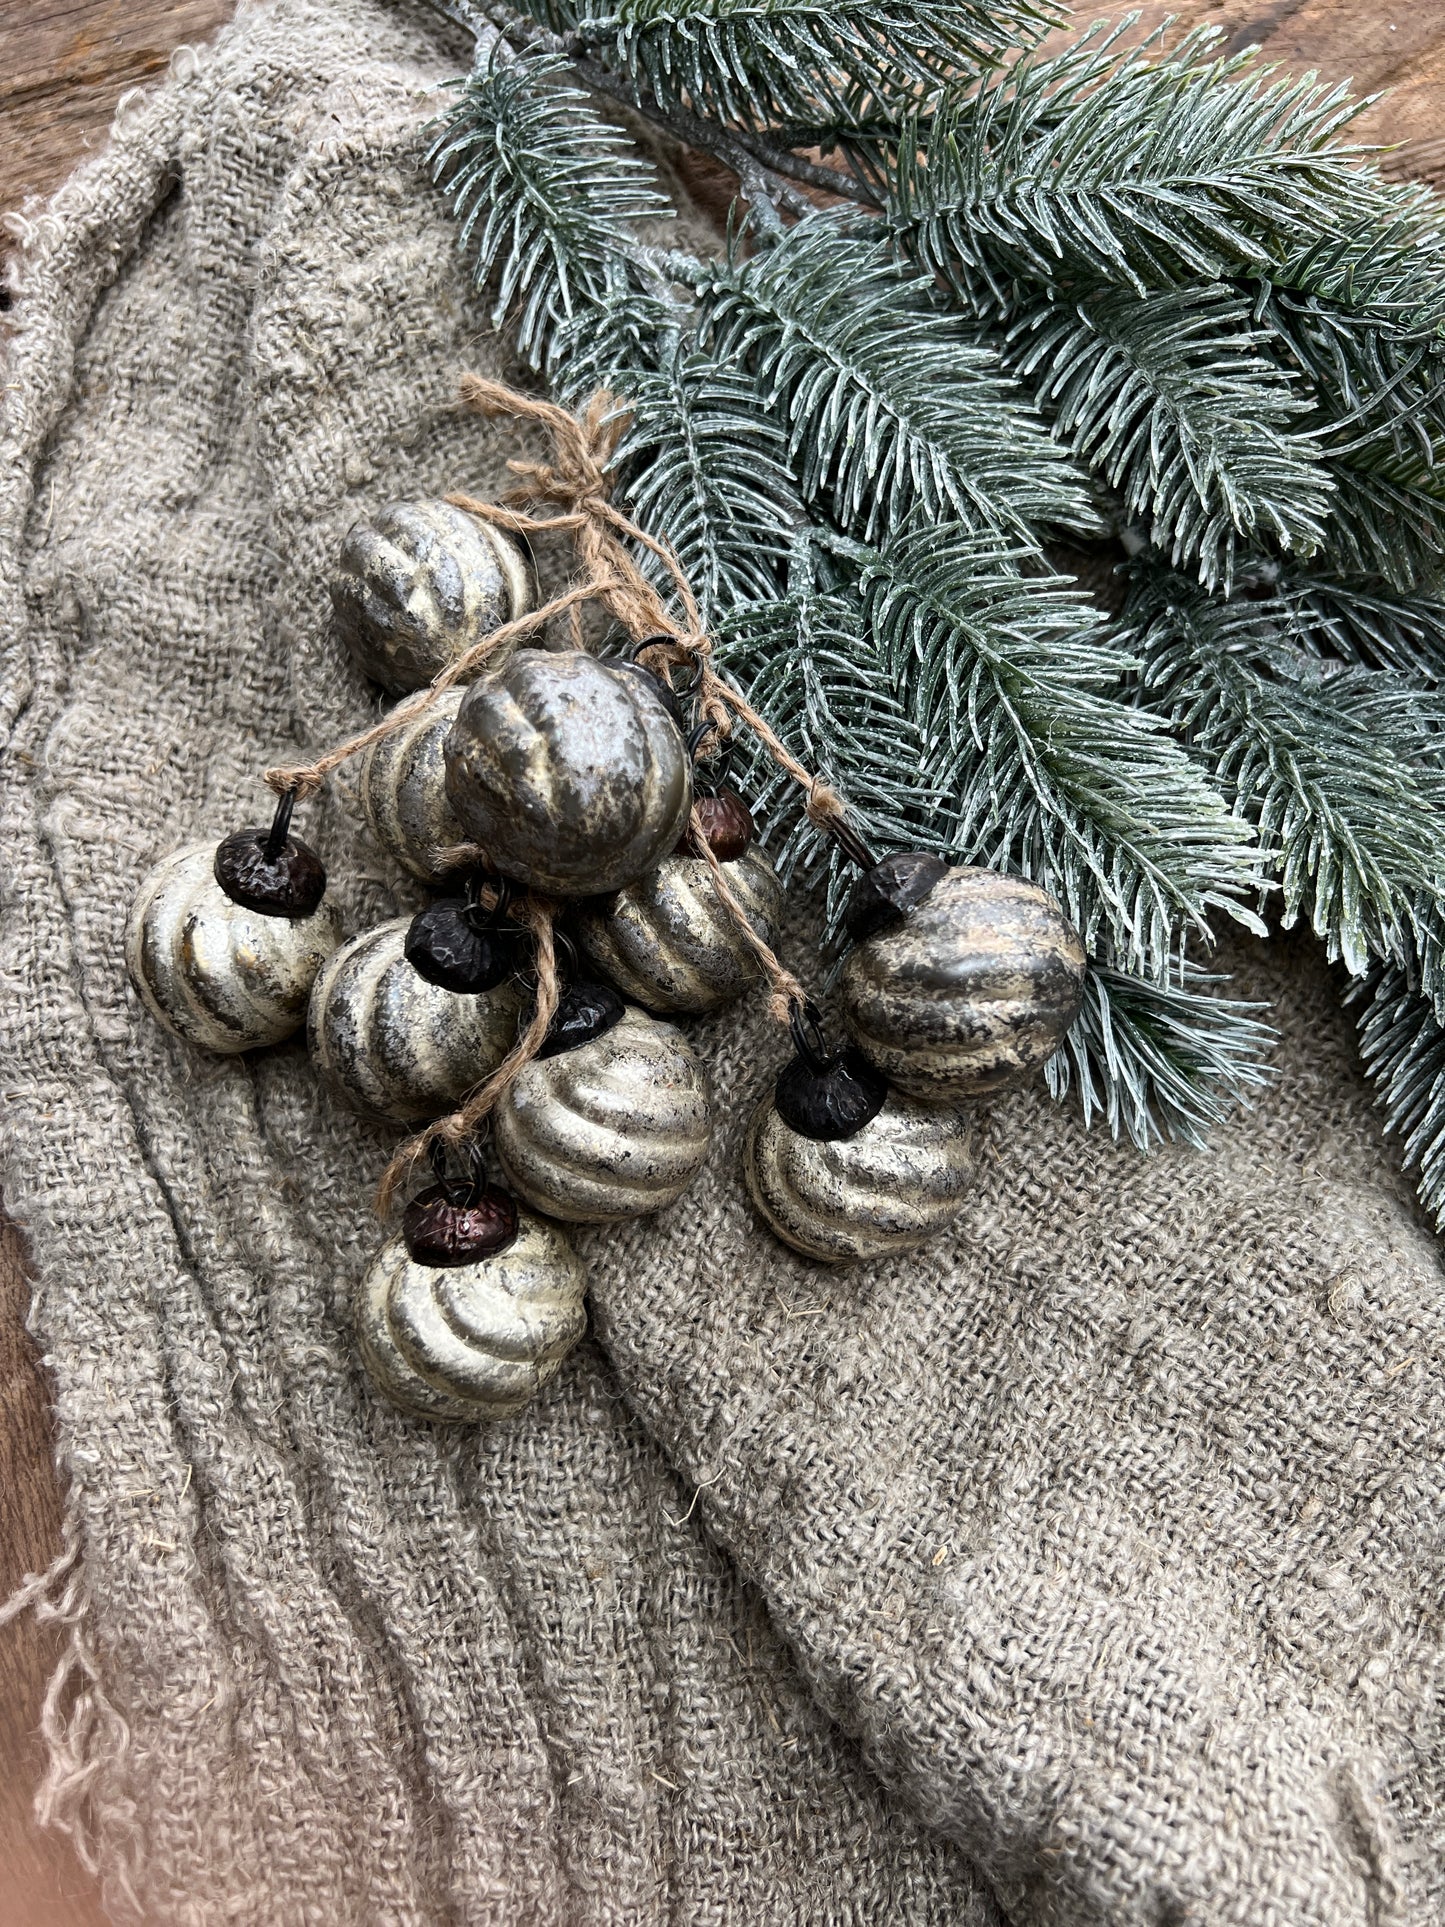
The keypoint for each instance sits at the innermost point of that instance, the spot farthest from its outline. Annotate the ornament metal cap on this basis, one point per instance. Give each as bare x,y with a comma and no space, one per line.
459,1220
584,1011
826,1095
887,892
270,871
458,945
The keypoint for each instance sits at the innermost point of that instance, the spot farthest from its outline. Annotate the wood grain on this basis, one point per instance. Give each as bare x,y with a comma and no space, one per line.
66,64
41,1884
1377,44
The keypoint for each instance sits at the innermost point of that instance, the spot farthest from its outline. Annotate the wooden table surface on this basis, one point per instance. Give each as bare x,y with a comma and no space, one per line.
67,62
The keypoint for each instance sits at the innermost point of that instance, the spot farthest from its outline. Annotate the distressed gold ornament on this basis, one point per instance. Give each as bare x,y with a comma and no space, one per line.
571,773
841,1167
231,975
402,784
475,1333
891,1186
614,1122
668,941
967,983
419,583
395,1045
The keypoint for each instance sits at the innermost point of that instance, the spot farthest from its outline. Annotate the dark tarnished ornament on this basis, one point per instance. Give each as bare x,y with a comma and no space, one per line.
270,871
970,992
569,772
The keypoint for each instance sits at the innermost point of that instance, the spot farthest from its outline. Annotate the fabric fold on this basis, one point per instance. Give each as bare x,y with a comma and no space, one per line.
328,1665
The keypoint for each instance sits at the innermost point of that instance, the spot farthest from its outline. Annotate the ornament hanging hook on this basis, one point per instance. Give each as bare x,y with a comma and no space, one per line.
805,1025
851,843
280,828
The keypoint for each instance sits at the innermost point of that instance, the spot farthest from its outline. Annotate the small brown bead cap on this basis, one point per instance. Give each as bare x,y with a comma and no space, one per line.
448,1225
727,823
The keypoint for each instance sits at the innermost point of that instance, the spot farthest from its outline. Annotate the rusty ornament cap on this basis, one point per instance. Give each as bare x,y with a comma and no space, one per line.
448,1224
726,822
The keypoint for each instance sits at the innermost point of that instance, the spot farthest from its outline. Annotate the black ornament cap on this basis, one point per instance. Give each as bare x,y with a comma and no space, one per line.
271,871
458,1220
461,947
824,1094
584,1011
887,892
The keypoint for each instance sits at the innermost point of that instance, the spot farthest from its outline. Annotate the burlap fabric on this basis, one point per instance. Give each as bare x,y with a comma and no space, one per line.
1109,1528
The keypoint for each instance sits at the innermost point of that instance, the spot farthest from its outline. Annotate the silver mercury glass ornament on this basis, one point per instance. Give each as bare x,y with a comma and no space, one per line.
223,943
571,773
667,940
611,1120
962,982
396,1043
419,583
402,786
469,1313
841,1168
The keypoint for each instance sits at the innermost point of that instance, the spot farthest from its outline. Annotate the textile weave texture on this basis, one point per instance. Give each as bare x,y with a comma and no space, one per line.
1084,1568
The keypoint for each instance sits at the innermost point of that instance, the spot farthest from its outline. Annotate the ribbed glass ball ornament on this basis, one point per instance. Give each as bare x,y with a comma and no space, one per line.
571,774
216,972
402,785
477,1340
668,941
393,1045
611,1128
419,583
969,991
890,1186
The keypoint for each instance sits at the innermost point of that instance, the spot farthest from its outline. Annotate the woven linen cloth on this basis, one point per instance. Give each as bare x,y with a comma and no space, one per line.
333,1667
1097,1546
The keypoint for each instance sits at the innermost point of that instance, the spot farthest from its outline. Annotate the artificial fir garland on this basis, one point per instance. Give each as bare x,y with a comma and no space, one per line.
991,304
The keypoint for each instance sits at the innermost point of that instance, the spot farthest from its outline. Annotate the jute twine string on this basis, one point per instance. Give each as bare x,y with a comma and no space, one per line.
576,486
537,915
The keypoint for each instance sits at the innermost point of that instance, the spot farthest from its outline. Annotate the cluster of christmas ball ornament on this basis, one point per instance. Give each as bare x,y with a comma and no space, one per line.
578,777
